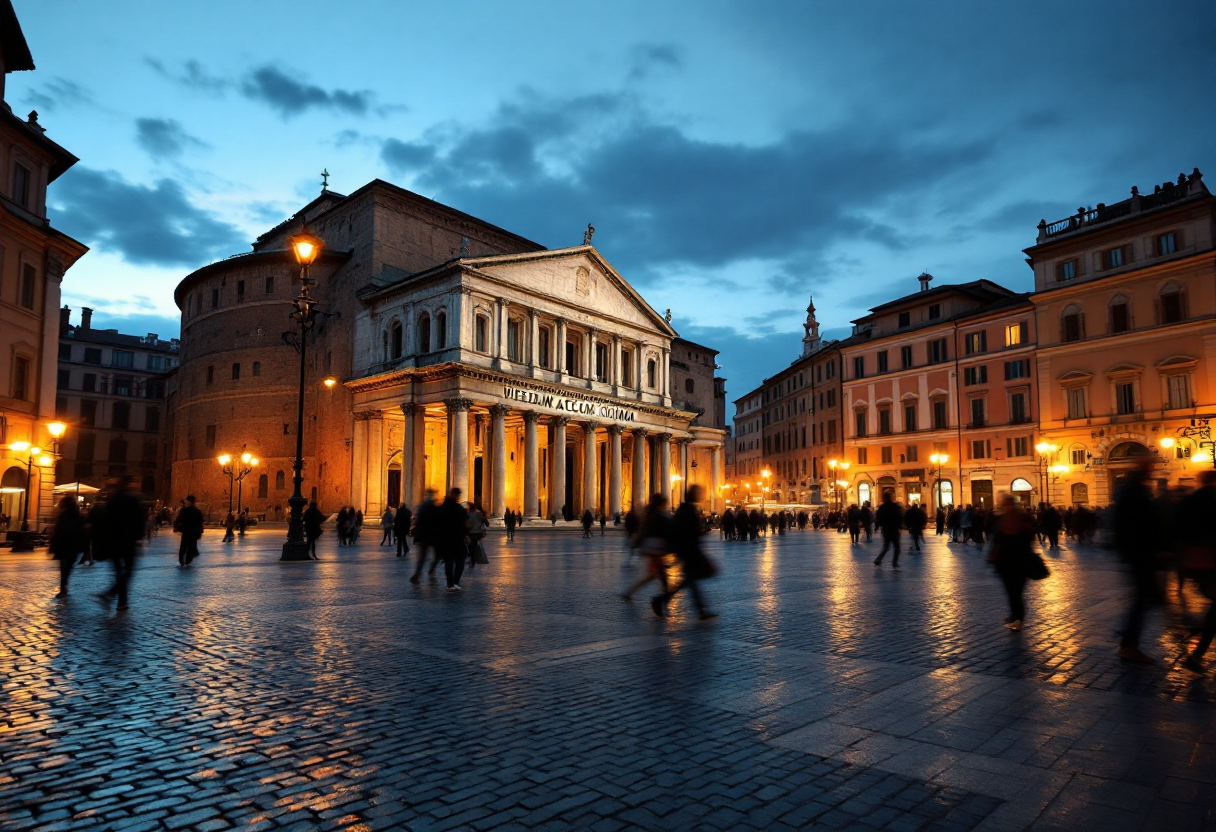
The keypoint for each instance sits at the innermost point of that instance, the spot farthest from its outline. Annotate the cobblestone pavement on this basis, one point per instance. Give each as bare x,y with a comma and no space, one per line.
245,693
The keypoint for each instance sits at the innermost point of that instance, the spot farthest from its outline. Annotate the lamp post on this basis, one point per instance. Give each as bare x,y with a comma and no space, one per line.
764,490
248,463
939,460
1047,454
225,461
305,247
23,541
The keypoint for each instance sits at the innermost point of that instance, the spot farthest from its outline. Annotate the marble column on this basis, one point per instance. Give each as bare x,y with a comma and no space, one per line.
614,471
589,468
458,442
559,347
358,484
409,483
557,480
683,481
715,478
639,469
374,495
531,467
498,493
665,465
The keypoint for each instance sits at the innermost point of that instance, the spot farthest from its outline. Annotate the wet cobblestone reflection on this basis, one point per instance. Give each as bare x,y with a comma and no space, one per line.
248,694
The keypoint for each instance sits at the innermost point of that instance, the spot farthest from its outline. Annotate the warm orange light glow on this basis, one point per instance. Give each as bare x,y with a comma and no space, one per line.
45,461
56,429
330,381
19,447
845,465
224,459
253,463
1167,442
1201,457
305,247
766,473
245,457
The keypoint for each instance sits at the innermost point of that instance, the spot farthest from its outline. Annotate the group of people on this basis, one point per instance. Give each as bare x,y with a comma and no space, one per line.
658,534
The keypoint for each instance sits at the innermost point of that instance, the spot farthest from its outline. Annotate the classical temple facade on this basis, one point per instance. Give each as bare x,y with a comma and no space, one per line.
453,354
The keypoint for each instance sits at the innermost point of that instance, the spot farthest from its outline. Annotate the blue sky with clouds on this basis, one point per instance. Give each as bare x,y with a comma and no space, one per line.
734,157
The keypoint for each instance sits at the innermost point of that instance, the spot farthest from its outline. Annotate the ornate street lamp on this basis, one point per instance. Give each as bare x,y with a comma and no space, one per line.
1047,455
24,540
225,461
764,489
248,463
939,460
306,248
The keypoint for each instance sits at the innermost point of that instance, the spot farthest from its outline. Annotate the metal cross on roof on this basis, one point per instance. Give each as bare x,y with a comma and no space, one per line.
325,179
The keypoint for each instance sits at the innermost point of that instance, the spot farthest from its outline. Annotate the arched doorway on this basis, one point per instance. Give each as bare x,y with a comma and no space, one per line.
1122,458
12,486
886,485
392,493
1021,490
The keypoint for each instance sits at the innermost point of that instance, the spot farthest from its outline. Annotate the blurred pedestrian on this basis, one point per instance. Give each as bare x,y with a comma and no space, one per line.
508,520
1197,521
587,520
229,526
357,527
68,540
386,523
603,522
121,528
1136,529
915,520
426,530
1014,557
452,538
867,520
478,525
1050,521
852,519
686,531
313,520
401,530
189,524
652,542
889,518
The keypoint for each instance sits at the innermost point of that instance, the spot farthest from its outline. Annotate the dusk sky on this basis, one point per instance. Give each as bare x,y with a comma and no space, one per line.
733,157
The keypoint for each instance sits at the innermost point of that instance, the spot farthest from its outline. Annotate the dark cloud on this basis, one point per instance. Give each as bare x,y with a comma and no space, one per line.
57,94
191,75
155,225
164,138
289,96
745,359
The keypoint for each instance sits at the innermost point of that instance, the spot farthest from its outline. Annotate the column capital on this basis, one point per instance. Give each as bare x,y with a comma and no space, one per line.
410,408
499,411
561,421
683,440
615,429
504,302
591,425
531,416
457,404
664,437
466,290
642,432
365,415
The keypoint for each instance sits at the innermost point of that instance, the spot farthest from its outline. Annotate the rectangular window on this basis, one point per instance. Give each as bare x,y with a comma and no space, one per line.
859,366
65,352
543,348
1166,244
935,311
124,386
155,389
120,416
236,372
977,412
124,359
905,319
1171,308
1076,403
860,419
884,421
905,357
975,375
152,418
626,368
89,382
1114,258
601,362
210,374
911,453
937,351
479,332
980,448
1017,369
885,454
64,379
831,398
88,412
940,420
1077,456
910,418
1019,413
26,291
515,341
257,368
92,355
156,362
1125,397
1119,321
831,430
21,379
882,361
1072,327
21,186
1068,270
240,291
863,456
1015,334
215,298
211,435
1017,446
1180,390
976,342
572,362
270,285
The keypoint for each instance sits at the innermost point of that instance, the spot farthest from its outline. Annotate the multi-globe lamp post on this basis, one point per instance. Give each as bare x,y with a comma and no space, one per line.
839,484
1047,455
939,460
305,248
237,470
24,540
764,487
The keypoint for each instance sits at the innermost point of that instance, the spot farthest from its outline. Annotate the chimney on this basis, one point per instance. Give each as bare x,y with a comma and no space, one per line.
65,320
153,337
924,279
86,317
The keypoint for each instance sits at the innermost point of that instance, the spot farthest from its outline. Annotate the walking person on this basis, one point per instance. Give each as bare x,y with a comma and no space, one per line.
478,526
452,533
242,521
508,520
939,521
122,529
587,520
401,530
426,530
651,541
867,520
915,520
889,518
68,540
1050,521
229,526
357,526
686,531
1014,557
189,524
1136,530
603,522
386,523
313,518
853,520
1197,519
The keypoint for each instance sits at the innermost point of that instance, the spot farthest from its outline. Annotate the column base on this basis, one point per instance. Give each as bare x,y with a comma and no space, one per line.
295,552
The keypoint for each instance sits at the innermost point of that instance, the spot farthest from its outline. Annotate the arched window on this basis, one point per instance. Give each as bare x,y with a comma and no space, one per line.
947,491
441,330
863,493
651,373
424,333
263,486
395,340
1080,494
1072,323
280,480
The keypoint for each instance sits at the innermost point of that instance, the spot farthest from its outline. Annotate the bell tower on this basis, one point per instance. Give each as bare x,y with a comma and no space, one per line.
810,341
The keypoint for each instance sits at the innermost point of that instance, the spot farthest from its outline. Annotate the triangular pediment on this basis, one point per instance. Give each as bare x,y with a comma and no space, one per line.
578,276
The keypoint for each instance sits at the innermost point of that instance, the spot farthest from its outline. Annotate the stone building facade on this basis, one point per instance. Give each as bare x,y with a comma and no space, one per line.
1125,302
458,355
33,259
111,391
